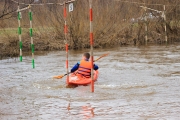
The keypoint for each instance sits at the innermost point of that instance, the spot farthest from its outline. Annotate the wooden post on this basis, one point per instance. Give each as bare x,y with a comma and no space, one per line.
146,29
165,29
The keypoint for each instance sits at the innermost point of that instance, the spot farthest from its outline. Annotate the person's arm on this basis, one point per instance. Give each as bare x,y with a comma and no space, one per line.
76,66
96,67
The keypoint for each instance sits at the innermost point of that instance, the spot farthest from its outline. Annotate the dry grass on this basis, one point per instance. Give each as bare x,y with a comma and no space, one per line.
112,25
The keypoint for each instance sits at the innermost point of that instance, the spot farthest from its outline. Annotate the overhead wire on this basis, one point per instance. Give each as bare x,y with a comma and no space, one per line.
145,3
125,1
43,3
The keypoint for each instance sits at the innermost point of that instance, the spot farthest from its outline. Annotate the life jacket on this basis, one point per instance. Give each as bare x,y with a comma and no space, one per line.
84,68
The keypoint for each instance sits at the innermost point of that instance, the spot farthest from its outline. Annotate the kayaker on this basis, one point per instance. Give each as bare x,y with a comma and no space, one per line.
84,66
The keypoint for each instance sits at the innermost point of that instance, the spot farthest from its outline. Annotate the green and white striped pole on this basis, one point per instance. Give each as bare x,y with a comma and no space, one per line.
31,35
19,32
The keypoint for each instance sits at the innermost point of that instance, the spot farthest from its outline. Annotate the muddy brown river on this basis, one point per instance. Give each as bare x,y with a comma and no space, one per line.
135,83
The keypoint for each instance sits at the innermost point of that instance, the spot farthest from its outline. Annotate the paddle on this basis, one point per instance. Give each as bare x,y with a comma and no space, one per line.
61,76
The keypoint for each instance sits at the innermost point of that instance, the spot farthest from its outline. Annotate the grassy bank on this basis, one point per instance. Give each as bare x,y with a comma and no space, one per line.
112,25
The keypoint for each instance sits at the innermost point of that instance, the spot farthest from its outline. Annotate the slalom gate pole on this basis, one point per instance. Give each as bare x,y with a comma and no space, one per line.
66,43
165,28
146,28
91,43
19,32
31,35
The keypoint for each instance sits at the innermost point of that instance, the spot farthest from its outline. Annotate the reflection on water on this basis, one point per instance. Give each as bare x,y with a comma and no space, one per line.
134,83
85,112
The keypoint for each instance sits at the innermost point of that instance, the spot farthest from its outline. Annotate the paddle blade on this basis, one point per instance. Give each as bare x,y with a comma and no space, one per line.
58,77
104,55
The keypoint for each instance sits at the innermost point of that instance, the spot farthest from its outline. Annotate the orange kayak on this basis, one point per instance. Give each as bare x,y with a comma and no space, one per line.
81,80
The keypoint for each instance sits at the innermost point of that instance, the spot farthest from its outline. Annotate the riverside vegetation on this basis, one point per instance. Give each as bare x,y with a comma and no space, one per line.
114,23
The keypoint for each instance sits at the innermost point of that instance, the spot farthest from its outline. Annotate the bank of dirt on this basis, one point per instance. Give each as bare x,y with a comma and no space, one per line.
10,48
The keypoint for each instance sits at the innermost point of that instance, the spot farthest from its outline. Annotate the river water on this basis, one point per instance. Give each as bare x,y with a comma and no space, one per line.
141,83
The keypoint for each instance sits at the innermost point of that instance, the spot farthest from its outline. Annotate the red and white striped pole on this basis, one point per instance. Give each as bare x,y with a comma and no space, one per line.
91,43
66,43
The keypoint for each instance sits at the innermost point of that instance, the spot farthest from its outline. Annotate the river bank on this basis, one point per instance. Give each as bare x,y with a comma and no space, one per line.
10,46
112,25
